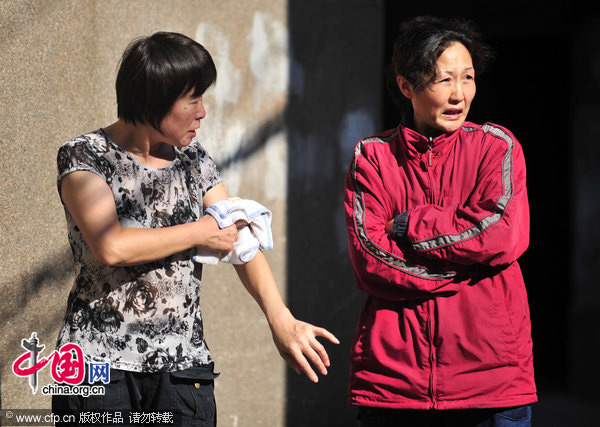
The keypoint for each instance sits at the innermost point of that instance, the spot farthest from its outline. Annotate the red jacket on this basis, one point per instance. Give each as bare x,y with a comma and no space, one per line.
446,323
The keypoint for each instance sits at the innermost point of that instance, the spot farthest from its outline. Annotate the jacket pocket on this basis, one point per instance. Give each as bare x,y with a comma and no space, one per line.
506,326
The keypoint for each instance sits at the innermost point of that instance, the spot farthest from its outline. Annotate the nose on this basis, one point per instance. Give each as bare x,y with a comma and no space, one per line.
201,111
457,94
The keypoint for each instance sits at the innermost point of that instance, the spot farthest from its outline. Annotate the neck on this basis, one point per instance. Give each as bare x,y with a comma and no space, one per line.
426,131
139,141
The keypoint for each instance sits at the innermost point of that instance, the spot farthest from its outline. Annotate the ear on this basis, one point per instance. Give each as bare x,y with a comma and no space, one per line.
405,87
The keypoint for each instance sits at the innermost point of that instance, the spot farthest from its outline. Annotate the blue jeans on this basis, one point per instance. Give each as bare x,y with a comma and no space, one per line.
519,416
188,395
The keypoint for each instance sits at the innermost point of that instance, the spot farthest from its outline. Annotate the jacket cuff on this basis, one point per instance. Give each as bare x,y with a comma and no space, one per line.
400,226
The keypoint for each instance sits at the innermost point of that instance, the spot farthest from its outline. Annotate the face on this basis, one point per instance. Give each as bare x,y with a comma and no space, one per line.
443,105
180,124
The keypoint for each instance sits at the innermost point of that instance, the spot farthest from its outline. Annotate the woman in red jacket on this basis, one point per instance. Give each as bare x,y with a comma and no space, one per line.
437,216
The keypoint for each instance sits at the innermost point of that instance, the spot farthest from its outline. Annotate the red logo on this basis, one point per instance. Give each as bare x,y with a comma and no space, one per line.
68,365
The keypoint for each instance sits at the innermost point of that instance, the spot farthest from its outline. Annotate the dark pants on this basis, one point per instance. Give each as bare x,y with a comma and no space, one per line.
519,416
182,398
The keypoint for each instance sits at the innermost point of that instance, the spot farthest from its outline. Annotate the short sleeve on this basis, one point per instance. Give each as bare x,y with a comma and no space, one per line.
79,155
209,175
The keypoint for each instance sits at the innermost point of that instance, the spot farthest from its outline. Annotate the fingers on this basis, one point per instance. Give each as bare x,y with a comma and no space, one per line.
310,349
230,233
228,236
298,363
322,355
322,332
317,358
216,238
241,224
389,227
225,238
298,345
306,368
291,361
319,350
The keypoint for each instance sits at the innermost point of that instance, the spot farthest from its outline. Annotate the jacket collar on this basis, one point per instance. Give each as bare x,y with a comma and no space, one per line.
417,144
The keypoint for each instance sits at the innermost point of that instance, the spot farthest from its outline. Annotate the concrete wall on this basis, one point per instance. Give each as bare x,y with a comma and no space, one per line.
57,74
336,99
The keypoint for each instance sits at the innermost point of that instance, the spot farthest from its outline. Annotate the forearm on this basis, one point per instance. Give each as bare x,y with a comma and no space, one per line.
130,246
489,223
384,267
465,235
295,340
258,280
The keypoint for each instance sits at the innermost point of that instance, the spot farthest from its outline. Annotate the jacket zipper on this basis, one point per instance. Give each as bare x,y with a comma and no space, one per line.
429,171
430,152
431,305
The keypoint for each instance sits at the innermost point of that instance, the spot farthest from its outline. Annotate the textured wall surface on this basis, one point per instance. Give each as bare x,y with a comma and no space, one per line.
335,100
59,61
57,75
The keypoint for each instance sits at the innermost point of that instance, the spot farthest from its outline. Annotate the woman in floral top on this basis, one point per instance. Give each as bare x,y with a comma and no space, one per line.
134,194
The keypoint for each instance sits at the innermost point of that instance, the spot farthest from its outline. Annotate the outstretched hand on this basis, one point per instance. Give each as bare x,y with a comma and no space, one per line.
297,344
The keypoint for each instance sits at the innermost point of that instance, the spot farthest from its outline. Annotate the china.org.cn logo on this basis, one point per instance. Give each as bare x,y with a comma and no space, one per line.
67,369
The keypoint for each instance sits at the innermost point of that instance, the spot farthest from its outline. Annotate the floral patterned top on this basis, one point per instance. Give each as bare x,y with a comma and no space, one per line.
143,318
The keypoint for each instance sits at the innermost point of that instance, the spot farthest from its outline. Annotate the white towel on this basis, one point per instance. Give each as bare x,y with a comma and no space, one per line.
257,234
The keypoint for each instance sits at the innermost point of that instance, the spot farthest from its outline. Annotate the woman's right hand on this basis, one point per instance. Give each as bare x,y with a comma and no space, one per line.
215,238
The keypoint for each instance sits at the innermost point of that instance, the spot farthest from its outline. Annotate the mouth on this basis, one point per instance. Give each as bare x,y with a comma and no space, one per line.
453,113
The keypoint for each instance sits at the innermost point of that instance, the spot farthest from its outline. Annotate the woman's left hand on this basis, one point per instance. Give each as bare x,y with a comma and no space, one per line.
389,226
297,344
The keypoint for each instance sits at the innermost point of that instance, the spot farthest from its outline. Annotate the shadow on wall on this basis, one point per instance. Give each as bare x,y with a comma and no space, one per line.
29,286
33,302
337,66
253,142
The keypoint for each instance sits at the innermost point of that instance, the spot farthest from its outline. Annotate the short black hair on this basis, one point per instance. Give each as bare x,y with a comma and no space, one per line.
419,45
155,71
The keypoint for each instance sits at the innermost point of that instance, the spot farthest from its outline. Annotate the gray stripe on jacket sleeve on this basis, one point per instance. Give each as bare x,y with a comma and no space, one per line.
371,247
501,204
